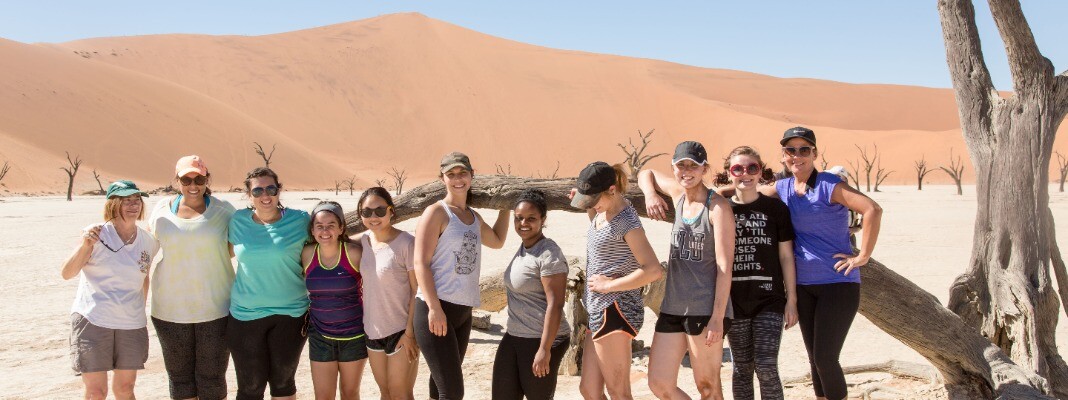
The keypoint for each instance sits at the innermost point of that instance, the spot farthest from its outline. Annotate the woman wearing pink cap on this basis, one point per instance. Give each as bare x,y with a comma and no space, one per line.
191,284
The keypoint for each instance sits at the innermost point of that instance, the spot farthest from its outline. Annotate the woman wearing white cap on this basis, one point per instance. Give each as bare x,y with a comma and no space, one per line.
108,324
619,262
695,313
448,260
191,284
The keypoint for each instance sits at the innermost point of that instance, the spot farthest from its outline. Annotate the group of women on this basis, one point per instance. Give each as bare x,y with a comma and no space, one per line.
745,262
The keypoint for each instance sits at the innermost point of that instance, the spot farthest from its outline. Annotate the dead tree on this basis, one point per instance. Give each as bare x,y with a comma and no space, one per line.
869,163
98,184
264,155
1062,168
880,175
71,171
855,166
955,170
351,183
502,170
399,176
971,366
921,172
1007,291
823,161
3,170
337,187
381,182
635,159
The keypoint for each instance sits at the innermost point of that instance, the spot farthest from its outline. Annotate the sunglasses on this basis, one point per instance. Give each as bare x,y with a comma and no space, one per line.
377,211
803,151
270,190
199,180
738,170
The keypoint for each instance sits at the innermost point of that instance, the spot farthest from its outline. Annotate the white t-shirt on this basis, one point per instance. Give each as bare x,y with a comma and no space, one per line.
111,287
193,279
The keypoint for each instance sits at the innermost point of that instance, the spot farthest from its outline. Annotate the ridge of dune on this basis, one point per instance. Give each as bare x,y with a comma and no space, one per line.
359,97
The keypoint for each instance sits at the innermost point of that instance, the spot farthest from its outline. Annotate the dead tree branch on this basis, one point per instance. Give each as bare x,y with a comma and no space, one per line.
636,158
71,171
264,155
955,170
400,175
921,172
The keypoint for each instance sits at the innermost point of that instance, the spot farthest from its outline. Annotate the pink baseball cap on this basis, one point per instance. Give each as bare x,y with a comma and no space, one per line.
189,164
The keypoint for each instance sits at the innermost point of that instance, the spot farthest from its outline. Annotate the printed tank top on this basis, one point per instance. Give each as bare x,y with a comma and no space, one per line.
692,267
457,261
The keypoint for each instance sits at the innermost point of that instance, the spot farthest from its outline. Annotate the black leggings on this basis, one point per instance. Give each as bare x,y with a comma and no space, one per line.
825,313
513,368
195,356
444,354
266,350
755,346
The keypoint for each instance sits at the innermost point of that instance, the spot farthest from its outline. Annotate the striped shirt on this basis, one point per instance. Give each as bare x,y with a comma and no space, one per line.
608,254
336,294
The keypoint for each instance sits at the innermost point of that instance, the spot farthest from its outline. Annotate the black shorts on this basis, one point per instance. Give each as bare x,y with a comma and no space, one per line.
324,349
614,321
691,325
386,345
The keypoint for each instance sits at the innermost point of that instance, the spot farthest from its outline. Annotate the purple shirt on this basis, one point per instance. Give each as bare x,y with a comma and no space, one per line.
822,230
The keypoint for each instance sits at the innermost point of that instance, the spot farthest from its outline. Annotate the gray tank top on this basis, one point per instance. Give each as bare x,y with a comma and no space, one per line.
457,261
692,269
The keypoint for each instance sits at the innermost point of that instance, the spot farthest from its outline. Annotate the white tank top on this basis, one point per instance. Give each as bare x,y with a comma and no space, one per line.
457,261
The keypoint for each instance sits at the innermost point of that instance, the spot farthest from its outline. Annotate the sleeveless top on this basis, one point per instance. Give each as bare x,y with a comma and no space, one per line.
336,294
608,254
457,261
821,227
692,269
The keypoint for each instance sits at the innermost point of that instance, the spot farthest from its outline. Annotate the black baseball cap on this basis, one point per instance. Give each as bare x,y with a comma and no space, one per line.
801,132
690,150
592,181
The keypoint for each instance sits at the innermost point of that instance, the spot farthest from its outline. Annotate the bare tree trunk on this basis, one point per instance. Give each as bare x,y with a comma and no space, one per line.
1007,292
971,365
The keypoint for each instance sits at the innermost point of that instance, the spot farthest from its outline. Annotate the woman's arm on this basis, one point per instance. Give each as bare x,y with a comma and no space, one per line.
431,224
494,237
554,286
650,267
407,341
81,255
652,182
306,255
789,277
871,219
721,217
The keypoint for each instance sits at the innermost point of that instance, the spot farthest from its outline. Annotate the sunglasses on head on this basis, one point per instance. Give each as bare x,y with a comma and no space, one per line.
377,211
199,180
803,151
739,169
270,190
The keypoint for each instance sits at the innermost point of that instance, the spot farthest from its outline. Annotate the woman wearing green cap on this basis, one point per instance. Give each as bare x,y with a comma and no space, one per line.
108,322
191,284
448,260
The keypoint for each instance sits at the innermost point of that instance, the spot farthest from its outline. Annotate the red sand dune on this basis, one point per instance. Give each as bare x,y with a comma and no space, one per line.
403,89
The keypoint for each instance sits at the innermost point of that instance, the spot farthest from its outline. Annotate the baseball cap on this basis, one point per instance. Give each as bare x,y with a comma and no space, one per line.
124,188
801,132
189,164
332,207
455,159
592,181
690,150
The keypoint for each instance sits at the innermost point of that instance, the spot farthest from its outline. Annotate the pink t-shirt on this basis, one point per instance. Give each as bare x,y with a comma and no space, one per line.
386,290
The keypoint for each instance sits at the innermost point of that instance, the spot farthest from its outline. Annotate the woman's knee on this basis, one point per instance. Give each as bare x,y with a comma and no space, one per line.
591,391
661,386
122,389
95,392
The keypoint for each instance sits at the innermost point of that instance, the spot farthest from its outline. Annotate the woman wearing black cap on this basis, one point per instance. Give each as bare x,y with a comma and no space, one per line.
828,275
695,313
620,262
448,259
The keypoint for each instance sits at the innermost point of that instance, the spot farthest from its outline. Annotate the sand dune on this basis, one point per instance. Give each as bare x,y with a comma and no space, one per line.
402,89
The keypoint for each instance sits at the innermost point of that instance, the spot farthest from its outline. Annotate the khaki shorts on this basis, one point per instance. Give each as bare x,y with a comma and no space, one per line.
97,349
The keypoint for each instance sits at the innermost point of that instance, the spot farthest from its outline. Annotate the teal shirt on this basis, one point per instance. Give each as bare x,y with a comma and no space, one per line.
269,280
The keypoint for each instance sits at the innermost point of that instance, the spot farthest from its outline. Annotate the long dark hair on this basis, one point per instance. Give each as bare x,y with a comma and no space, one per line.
723,178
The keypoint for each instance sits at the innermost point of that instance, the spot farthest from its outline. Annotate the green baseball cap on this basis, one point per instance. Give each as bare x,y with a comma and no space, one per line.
124,188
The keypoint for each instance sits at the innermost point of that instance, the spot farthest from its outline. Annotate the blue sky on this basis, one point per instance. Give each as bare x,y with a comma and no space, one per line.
896,42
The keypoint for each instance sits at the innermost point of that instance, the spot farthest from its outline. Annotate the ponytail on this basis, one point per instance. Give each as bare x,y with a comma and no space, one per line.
621,178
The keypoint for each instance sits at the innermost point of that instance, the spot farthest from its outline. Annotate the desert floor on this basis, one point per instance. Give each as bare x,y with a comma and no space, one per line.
926,236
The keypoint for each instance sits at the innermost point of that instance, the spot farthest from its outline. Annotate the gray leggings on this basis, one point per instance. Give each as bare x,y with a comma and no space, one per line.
755,345
195,356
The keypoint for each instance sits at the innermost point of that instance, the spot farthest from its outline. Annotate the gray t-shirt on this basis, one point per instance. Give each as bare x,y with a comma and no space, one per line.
526,295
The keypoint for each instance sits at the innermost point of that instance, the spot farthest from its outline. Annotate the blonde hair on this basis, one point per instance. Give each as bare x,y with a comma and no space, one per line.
621,178
113,206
